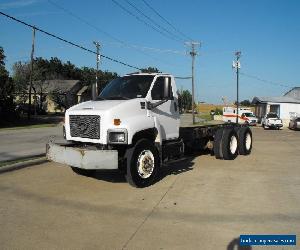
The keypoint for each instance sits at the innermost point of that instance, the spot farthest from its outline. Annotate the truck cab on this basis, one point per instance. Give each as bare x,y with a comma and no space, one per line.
126,106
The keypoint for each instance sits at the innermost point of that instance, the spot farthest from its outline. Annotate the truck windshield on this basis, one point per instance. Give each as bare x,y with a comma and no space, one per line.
127,87
272,115
249,115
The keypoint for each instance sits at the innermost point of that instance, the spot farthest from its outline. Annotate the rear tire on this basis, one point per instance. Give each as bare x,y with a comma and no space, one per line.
229,144
218,143
142,164
245,141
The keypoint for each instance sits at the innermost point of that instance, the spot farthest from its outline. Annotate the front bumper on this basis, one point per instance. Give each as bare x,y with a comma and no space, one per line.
83,158
274,125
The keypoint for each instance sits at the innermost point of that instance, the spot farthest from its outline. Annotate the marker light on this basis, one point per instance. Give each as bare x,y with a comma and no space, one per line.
117,122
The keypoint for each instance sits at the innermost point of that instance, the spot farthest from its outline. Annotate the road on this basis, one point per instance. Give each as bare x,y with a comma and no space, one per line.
199,203
21,143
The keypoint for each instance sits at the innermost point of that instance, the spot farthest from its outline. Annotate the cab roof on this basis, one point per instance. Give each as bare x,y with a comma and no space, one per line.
148,74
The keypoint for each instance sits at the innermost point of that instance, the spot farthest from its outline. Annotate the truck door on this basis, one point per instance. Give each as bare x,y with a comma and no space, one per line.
168,112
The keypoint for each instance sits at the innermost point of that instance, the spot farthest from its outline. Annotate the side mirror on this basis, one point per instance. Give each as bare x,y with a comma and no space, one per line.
167,89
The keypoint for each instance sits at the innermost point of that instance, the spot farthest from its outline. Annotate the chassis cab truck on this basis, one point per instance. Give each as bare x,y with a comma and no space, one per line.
134,126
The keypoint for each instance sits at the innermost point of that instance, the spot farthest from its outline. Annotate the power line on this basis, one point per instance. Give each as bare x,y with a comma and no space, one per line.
266,81
143,21
134,46
68,42
84,21
164,19
120,42
154,22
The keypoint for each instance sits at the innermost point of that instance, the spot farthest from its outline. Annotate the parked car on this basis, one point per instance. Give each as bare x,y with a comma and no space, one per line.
271,120
294,123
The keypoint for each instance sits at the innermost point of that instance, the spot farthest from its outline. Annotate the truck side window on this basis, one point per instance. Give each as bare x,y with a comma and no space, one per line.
157,92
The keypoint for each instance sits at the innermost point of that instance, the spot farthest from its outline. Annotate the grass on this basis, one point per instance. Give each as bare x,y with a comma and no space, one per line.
6,163
205,116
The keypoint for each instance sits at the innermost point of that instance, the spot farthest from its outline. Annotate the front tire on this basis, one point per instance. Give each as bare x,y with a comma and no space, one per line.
142,164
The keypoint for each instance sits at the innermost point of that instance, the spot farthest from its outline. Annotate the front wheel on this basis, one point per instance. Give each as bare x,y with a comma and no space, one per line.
142,164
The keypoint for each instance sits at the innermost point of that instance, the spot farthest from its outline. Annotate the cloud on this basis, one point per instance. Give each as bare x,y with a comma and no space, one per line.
17,4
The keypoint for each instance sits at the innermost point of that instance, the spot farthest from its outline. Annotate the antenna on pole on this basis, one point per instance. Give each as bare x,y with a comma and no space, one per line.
193,54
95,85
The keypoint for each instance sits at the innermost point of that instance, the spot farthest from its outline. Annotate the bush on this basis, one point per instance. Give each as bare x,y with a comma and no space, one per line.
218,111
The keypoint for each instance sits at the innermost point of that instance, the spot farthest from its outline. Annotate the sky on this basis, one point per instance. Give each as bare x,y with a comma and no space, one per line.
267,32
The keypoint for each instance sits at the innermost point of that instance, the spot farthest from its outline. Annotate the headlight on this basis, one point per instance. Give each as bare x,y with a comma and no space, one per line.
117,137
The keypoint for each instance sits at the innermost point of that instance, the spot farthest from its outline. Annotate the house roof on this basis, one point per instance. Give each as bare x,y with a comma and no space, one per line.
297,89
278,99
61,86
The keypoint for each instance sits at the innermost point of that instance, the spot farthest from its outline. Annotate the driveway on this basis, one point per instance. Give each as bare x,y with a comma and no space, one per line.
21,143
199,203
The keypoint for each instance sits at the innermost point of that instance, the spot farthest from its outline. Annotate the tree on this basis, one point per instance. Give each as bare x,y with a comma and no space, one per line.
6,90
245,103
5,84
150,70
185,100
44,69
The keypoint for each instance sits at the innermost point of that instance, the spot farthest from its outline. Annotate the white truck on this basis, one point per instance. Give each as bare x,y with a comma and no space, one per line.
245,115
271,120
134,126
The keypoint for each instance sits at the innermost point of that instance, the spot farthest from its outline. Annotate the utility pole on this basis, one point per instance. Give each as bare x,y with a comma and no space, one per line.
193,54
31,73
236,64
95,85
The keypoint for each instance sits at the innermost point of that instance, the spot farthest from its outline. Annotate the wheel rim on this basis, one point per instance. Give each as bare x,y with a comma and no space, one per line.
145,164
248,141
233,144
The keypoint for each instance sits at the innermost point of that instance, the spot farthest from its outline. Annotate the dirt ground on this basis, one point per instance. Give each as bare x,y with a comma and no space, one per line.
198,203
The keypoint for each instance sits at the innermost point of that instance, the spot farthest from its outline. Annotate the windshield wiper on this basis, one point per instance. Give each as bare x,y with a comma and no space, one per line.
99,98
117,97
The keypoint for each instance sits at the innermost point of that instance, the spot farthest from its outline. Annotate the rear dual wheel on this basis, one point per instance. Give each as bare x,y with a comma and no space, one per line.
245,140
229,142
226,144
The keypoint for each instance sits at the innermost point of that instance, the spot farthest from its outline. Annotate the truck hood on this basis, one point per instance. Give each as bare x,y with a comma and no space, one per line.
97,105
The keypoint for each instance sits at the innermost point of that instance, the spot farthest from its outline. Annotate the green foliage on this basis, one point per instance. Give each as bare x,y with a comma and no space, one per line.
185,100
7,107
245,103
60,100
150,70
44,69
218,111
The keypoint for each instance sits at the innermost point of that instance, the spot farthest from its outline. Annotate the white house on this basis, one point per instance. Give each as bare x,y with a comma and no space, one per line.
285,106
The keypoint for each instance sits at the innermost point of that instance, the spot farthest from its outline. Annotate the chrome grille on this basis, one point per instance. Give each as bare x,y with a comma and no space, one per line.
85,126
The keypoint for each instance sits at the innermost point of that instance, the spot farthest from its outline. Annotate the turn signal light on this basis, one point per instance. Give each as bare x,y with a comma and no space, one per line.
117,122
